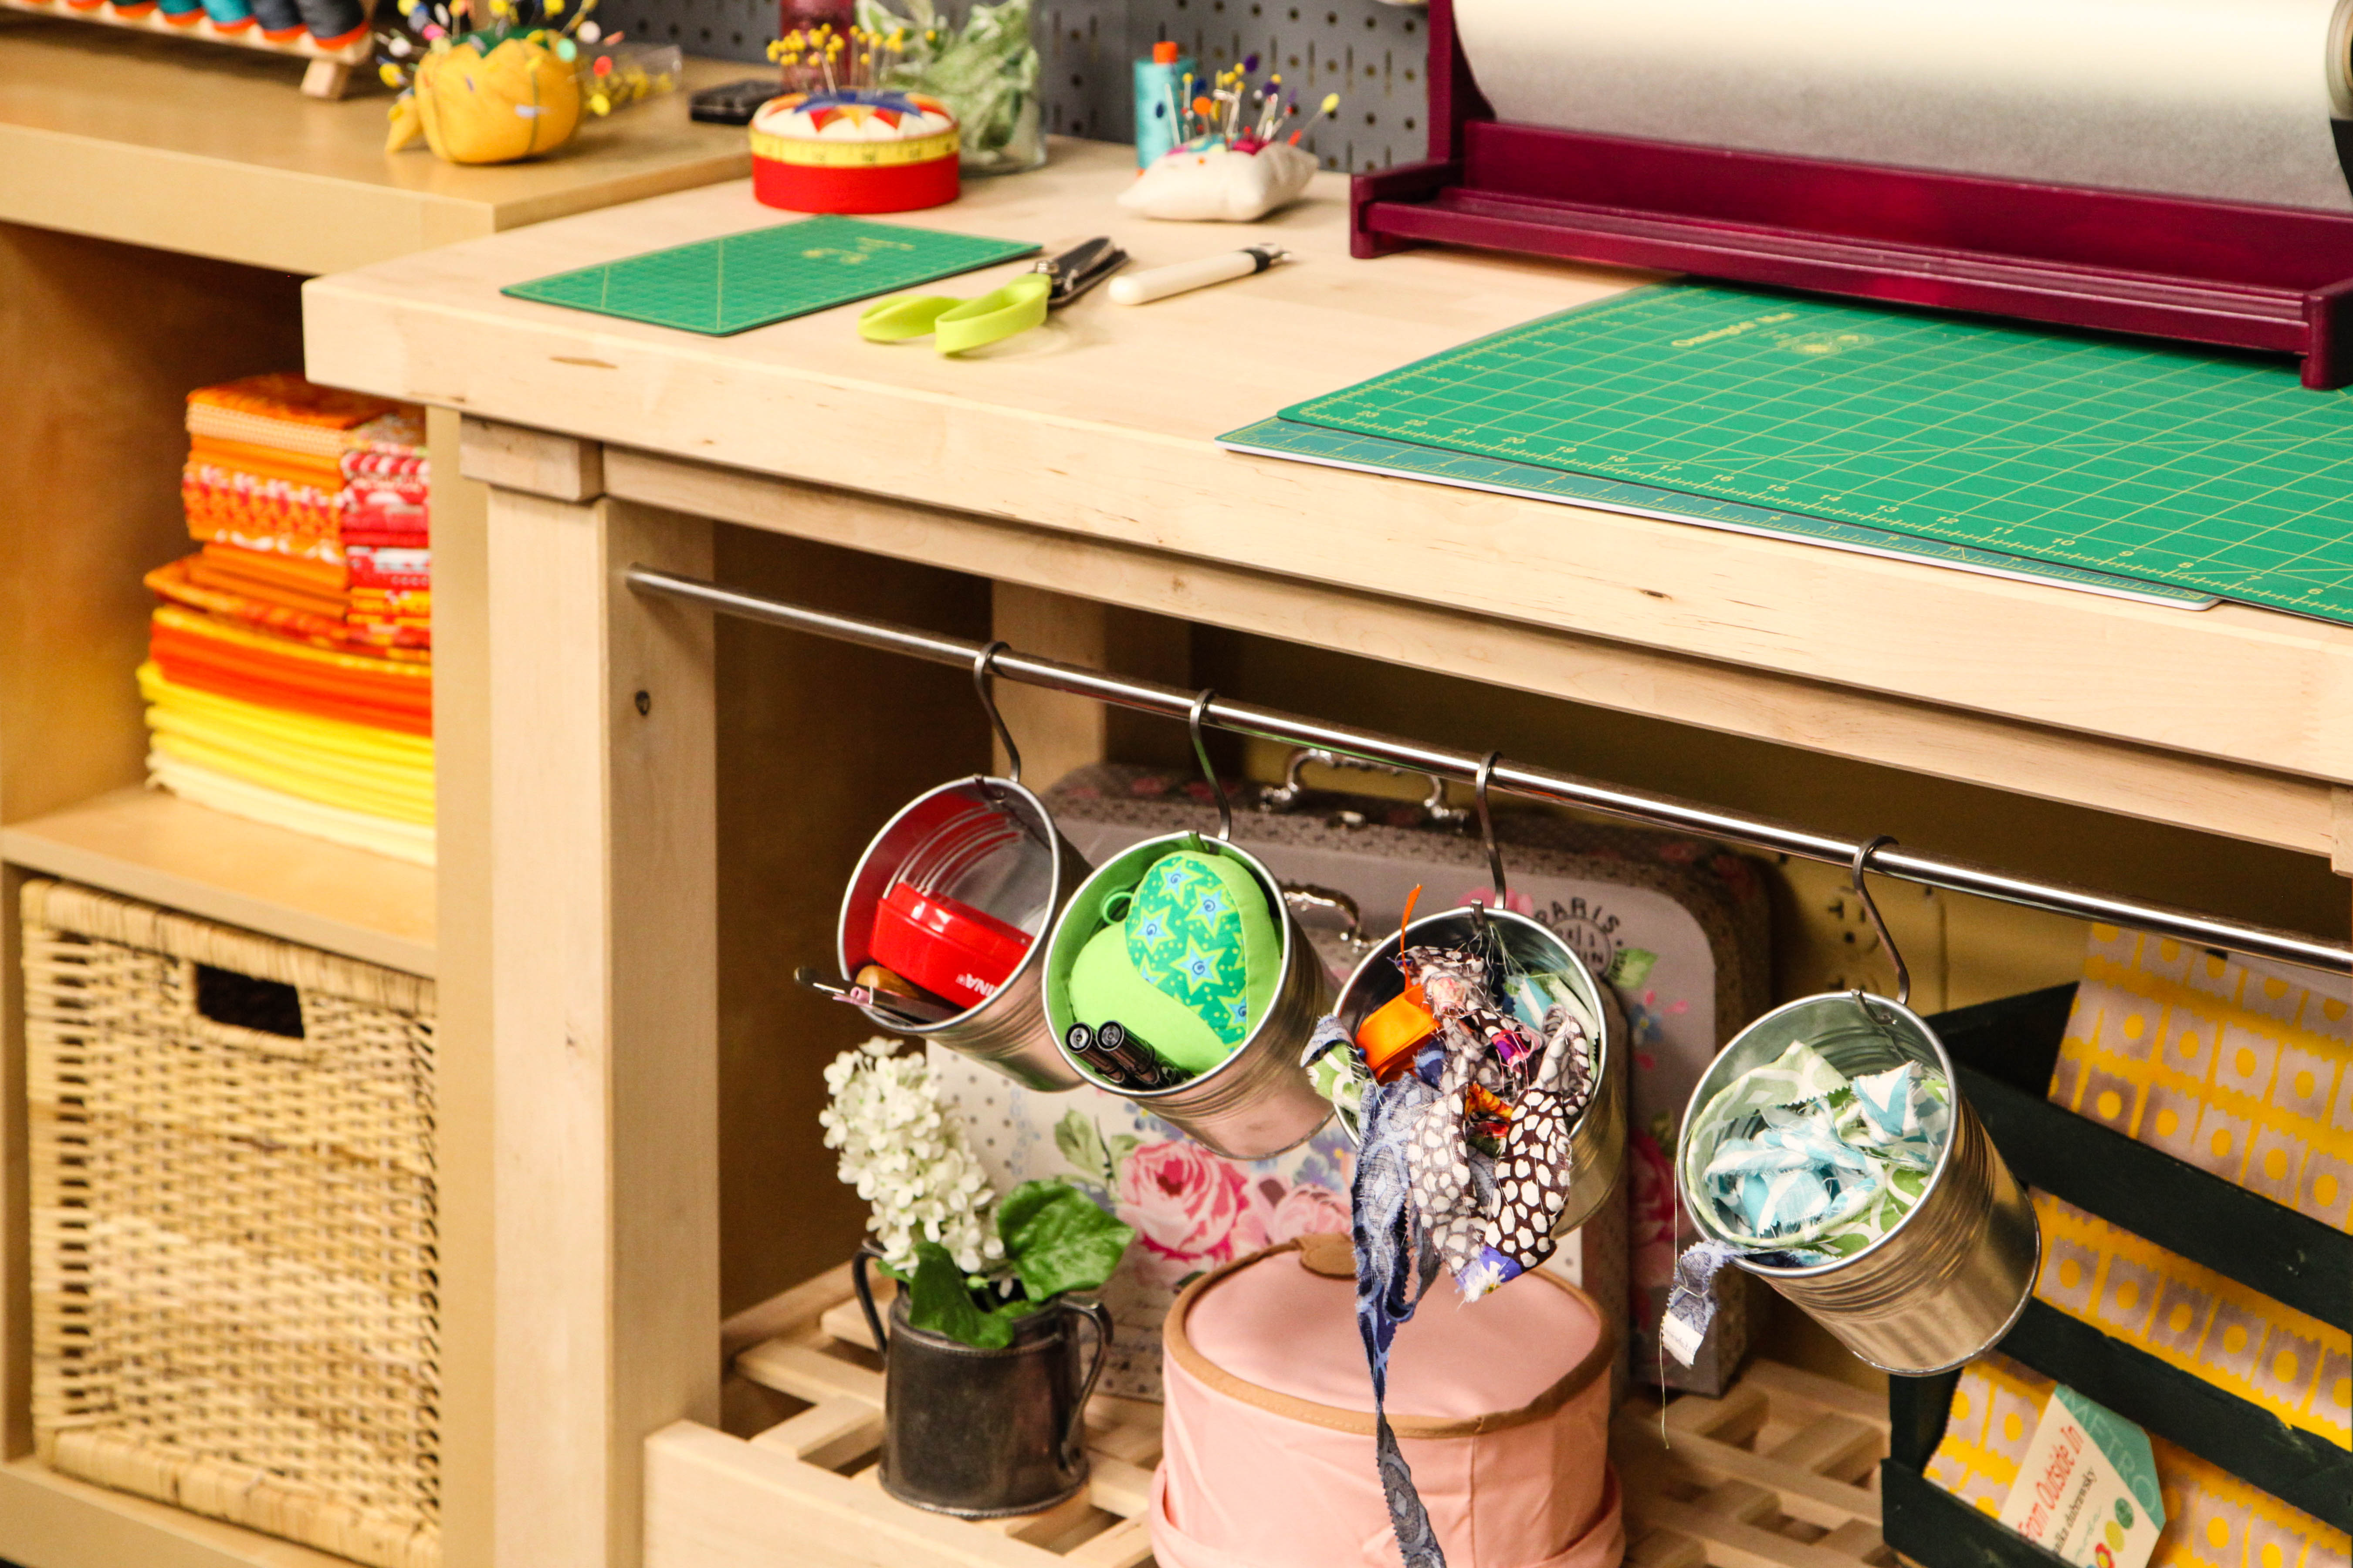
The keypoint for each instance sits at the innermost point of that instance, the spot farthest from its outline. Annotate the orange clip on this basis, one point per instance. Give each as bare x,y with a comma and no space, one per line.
1394,1031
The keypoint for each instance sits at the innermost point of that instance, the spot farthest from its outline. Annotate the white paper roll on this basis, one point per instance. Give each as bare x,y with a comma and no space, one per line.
2223,98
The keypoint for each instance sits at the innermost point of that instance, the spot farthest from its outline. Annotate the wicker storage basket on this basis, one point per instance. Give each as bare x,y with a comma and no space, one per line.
233,1225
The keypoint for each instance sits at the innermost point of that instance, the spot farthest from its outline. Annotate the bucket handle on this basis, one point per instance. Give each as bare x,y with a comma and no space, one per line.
1201,752
984,666
1862,854
867,1249
1074,1436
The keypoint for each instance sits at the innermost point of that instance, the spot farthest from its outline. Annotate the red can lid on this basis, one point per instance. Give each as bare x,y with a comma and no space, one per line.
1163,53
947,947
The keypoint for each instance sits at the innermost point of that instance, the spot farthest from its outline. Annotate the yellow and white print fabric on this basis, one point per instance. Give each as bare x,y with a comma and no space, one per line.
2207,1324
2241,1068
2213,1519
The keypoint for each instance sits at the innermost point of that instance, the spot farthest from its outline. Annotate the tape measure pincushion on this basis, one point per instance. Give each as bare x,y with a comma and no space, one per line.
854,150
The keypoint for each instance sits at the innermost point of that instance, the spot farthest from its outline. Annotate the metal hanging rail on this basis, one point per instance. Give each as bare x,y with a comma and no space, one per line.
1519,778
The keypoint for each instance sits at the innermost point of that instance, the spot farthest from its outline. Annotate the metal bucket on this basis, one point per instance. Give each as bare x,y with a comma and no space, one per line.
986,1434
1597,1141
1948,1280
1259,1101
1009,1030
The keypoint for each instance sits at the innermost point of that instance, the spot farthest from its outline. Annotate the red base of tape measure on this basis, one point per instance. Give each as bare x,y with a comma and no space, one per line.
897,188
948,948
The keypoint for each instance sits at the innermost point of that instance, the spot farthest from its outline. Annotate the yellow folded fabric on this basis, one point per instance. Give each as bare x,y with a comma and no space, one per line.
2212,1519
362,743
398,840
2240,1068
2209,1325
292,778
350,766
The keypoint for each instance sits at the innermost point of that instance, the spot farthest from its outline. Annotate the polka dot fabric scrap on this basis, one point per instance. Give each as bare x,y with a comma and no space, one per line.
2213,1519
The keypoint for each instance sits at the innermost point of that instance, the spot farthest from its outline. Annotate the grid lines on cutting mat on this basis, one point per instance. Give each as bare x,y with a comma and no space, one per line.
738,281
2210,471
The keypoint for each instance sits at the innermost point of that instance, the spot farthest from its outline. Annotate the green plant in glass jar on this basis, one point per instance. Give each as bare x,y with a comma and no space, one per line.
985,69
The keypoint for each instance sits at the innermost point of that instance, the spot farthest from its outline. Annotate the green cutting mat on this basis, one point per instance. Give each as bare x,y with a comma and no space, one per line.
1373,454
2213,472
717,286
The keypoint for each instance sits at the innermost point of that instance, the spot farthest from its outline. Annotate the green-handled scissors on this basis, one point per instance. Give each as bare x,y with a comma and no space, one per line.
955,325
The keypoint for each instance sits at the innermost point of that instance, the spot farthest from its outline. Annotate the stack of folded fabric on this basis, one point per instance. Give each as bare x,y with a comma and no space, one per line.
289,676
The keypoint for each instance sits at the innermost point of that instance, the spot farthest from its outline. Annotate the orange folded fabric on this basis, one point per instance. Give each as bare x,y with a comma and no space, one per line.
174,583
324,474
216,655
261,514
265,576
291,398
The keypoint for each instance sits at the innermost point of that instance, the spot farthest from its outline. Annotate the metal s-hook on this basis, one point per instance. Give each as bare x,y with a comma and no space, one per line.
984,666
1201,752
1487,827
1862,854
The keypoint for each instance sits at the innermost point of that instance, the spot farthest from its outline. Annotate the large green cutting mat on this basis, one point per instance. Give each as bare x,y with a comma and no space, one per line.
2213,472
1403,459
733,284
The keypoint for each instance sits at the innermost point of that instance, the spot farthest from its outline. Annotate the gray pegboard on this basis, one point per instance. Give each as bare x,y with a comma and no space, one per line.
1371,54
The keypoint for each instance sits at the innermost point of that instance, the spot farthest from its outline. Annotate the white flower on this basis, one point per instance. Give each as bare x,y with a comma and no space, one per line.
908,1158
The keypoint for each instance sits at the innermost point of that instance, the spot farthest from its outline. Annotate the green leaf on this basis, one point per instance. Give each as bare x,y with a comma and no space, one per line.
1082,1144
1057,1239
938,1299
1022,1203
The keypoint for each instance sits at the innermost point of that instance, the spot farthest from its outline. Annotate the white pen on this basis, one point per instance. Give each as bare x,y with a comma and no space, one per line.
1143,287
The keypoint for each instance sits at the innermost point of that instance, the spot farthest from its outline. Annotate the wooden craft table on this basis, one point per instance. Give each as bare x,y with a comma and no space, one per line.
1073,468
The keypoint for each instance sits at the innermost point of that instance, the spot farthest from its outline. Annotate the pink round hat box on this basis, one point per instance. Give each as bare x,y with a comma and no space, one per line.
1501,1408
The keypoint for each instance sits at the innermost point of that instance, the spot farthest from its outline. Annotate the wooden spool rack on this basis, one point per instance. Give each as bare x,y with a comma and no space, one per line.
327,76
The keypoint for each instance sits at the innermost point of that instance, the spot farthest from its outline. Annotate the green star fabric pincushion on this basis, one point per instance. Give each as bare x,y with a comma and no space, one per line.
1189,966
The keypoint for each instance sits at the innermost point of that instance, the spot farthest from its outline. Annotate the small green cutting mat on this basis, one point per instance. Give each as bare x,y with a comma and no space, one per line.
719,287
2213,472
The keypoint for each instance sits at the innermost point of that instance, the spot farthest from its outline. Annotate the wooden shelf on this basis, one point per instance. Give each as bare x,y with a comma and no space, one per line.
49,1521
149,845
164,142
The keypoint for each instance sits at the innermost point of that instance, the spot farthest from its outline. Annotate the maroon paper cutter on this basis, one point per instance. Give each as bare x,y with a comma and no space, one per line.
2234,274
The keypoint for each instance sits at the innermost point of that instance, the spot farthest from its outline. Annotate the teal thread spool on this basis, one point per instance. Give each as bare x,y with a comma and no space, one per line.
1159,95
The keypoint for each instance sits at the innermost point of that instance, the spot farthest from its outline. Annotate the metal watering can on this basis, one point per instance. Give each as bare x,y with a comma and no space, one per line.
986,1434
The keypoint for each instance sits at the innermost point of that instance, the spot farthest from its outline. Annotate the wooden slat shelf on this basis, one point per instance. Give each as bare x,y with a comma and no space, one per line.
1781,1472
718,1502
145,844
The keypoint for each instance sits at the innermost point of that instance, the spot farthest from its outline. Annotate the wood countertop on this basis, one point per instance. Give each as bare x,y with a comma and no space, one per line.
1097,431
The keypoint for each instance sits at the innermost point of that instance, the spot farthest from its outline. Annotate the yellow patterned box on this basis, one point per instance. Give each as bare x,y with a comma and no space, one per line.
2213,1519
2241,1068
